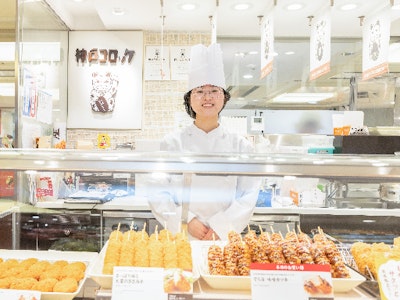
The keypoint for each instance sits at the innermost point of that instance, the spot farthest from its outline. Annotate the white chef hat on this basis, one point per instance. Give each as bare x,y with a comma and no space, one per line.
206,66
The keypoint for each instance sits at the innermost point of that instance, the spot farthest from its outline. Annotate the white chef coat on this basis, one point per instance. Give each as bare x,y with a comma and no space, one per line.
223,203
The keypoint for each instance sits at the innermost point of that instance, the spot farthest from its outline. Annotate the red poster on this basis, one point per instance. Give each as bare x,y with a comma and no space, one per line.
7,183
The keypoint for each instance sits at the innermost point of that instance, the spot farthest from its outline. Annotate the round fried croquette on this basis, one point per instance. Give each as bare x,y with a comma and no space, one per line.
26,263
45,285
67,285
5,283
22,283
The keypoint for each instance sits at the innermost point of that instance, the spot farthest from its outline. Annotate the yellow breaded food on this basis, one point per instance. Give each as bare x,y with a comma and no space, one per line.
22,283
10,263
5,283
26,263
67,285
37,269
76,265
45,285
60,263
75,273
116,235
53,271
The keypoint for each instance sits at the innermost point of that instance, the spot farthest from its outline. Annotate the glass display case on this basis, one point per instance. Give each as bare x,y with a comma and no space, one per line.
46,181
72,200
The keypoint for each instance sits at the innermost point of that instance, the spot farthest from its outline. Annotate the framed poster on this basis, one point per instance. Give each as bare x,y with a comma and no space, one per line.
180,58
156,63
105,79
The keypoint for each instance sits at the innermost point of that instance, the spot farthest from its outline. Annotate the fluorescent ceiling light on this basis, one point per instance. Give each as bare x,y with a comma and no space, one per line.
294,6
188,6
289,52
349,6
241,6
302,97
247,76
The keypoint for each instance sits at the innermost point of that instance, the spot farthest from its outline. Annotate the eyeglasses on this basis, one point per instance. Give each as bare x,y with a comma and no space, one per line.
214,92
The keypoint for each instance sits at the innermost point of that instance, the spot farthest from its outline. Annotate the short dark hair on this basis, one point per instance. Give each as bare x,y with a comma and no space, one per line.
189,109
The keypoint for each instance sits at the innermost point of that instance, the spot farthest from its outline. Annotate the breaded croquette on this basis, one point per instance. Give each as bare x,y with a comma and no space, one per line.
45,285
67,285
22,283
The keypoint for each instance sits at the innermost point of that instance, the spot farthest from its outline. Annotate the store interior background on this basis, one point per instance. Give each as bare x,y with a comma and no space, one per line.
52,20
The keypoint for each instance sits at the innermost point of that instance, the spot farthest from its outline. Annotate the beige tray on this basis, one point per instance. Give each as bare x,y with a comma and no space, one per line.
51,256
244,283
105,281
96,272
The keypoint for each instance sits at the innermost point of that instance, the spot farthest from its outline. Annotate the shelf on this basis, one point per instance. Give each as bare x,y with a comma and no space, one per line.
360,168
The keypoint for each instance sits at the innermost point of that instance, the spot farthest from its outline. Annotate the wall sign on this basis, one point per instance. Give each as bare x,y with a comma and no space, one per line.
376,37
320,45
267,45
180,58
105,79
156,64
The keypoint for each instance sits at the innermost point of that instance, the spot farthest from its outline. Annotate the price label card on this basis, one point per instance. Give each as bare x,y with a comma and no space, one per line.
138,283
389,278
285,281
19,294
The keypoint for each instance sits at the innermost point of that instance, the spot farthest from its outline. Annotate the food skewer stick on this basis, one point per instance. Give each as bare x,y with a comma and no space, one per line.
143,230
322,233
118,228
299,229
268,236
272,228
156,232
295,234
130,230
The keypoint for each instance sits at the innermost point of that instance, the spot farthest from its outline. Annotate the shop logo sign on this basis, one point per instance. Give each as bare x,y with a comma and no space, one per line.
103,56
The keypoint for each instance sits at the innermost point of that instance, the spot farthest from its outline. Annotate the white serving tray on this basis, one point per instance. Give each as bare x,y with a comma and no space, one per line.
105,281
244,282
71,256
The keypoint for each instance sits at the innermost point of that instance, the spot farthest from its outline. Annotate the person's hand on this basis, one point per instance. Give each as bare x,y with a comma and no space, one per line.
210,235
197,229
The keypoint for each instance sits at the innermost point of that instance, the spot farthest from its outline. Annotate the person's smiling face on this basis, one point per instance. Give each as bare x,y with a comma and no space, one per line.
207,100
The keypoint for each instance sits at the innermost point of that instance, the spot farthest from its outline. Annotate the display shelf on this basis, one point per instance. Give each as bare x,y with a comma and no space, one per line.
357,167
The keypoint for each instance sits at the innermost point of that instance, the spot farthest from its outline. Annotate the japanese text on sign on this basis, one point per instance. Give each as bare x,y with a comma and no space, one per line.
103,56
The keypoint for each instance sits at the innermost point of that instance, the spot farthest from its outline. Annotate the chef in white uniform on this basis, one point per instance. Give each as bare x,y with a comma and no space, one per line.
216,204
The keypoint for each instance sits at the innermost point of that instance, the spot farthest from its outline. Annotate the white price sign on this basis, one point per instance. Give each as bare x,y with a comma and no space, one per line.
138,283
285,281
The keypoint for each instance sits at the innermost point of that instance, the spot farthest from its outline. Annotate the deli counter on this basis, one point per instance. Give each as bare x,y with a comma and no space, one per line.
55,198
